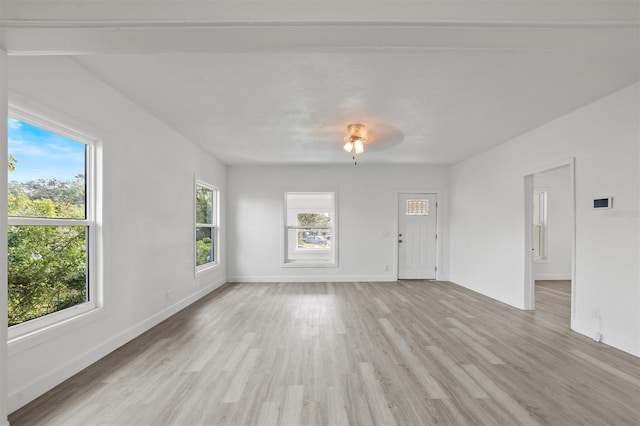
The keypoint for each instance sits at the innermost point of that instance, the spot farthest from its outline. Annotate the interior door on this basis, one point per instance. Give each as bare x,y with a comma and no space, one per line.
417,220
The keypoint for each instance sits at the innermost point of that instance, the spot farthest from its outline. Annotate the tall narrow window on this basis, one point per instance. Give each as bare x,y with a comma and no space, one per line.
540,225
206,249
310,237
51,223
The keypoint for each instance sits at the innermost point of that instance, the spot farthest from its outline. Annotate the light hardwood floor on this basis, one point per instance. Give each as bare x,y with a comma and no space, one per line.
412,353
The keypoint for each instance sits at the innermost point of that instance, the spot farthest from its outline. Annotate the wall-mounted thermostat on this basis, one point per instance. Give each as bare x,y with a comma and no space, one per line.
603,203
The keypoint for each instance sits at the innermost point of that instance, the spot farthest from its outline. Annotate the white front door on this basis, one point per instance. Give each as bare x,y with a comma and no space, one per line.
417,236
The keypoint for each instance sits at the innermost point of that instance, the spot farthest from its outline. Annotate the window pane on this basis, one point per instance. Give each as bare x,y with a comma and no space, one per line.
314,219
311,239
46,173
309,229
204,245
204,205
417,207
47,270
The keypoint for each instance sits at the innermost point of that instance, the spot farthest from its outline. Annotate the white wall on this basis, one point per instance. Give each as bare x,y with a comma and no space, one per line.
3,240
367,198
557,184
487,221
147,223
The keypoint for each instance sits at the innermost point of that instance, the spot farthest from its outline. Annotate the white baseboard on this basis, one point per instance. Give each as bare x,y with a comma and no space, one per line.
38,387
308,278
609,338
552,277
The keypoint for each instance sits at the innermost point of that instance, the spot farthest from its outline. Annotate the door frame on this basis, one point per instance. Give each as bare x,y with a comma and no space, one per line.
529,280
396,228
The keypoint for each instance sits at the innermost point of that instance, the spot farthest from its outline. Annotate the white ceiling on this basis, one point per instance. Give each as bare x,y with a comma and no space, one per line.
430,92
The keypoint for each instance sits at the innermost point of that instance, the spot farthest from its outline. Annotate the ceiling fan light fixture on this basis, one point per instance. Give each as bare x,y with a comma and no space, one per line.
357,135
359,146
358,131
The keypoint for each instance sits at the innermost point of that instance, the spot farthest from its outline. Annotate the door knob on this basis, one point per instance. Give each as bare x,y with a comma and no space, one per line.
399,241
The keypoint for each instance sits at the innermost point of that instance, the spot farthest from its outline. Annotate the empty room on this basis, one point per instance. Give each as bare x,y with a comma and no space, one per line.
320,213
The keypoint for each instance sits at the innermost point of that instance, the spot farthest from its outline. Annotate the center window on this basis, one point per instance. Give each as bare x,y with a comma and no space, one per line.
310,237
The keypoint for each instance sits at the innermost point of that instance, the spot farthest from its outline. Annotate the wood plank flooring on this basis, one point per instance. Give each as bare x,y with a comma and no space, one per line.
410,353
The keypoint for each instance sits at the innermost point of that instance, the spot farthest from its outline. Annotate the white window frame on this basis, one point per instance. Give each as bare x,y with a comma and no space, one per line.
543,249
310,263
215,226
52,319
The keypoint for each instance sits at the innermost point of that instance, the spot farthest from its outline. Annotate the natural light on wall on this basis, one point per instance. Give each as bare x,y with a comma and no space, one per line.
310,237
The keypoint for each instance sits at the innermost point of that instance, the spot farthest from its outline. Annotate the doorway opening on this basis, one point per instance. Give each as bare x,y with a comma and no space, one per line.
550,285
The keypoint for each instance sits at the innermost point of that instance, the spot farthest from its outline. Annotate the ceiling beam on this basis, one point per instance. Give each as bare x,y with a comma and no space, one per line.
74,41
144,13
36,27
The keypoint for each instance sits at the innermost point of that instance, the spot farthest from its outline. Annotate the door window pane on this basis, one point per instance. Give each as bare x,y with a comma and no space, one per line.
417,207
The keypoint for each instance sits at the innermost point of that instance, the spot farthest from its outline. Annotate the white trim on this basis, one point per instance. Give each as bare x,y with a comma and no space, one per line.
529,298
41,336
307,264
49,120
46,323
32,390
310,278
493,13
46,221
3,239
52,122
549,166
627,344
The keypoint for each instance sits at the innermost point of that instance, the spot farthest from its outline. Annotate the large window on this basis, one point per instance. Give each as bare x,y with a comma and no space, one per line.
310,237
51,223
206,226
540,225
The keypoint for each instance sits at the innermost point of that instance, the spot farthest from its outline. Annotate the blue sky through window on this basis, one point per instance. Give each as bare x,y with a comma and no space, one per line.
43,154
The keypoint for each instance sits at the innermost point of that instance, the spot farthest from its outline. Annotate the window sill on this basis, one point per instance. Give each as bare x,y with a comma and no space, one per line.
206,268
303,264
42,335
